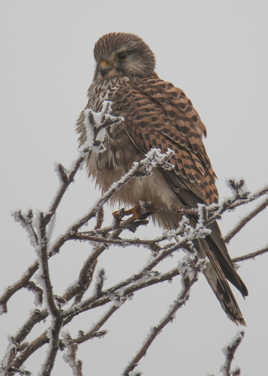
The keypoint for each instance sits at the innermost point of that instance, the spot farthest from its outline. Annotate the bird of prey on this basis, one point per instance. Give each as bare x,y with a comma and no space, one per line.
155,114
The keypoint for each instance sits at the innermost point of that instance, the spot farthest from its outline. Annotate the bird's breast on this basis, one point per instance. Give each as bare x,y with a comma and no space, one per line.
108,167
108,164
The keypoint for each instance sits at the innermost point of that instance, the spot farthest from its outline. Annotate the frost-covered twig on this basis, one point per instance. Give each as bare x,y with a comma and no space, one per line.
85,277
100,282
42,254
154,158
120,242
12,289
100,218
95,330
190,234
86,273
234,202
70,355
30,349
35,317
229,352
8,358
91,304
66,178
38,292
189,277
38,316
101,238
55,313
26,222
136,281
41,340
215,211
53,346
251,255
245,220
130,285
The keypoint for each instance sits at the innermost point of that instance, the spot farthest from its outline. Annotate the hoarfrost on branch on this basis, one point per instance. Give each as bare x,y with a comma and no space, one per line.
59,311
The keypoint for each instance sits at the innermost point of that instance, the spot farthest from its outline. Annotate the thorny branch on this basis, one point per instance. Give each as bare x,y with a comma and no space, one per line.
90,280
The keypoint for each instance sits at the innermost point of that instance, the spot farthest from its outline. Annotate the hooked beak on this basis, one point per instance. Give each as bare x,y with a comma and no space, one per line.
104,68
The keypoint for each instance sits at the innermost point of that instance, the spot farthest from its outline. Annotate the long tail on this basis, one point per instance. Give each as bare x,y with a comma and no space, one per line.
219,270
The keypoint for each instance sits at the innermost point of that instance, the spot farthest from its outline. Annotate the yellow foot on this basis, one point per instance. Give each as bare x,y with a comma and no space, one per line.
140,211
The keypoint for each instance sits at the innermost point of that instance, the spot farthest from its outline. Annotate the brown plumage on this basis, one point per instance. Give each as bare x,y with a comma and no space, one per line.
155,114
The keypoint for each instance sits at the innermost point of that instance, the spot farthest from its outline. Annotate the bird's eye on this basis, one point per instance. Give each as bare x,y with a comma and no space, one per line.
122,55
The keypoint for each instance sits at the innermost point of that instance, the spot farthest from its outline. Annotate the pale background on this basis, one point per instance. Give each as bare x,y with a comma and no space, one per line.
217,52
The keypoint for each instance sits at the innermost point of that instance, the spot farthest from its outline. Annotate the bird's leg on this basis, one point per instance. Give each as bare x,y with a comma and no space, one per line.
140,211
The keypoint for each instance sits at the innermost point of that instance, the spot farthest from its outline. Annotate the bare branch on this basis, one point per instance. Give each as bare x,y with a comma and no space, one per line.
245,220
53,346
22,282
43,265
215,211
8,358
236,202
129,289
35,317
92,332
62,173
26,222
56,315
229,352
66,179
188,280
251,255
100,217
120,242
138,168
100,282
87,270
38,316
30,349
70,355
85,278
89,279
31,286
167,251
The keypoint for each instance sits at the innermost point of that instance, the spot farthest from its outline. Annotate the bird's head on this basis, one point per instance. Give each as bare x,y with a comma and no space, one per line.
122,54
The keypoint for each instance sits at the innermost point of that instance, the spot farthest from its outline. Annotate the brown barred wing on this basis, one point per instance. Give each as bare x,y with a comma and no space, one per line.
157,114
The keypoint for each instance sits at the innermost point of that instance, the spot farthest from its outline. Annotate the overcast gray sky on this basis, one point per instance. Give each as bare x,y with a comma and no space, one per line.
217,52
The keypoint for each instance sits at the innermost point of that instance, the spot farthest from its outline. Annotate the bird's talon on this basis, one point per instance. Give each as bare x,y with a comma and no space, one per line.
138,212
119,214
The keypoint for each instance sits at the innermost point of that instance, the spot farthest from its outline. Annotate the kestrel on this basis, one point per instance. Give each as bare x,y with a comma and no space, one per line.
155,114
